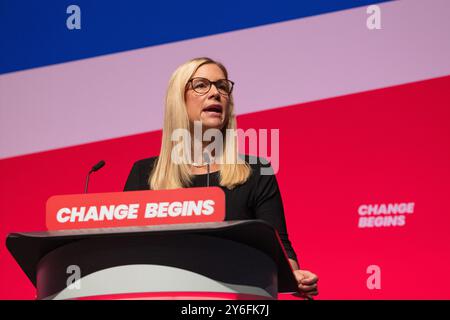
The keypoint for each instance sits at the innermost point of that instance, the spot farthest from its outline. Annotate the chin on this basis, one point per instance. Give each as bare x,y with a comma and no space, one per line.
211,124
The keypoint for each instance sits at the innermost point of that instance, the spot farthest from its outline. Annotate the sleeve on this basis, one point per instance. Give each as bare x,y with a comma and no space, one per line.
137,178
269,207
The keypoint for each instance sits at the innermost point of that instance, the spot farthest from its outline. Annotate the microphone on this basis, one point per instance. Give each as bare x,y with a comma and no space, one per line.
96,167
207,160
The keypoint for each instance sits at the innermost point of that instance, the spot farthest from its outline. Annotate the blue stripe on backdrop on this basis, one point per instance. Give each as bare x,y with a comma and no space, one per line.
34,33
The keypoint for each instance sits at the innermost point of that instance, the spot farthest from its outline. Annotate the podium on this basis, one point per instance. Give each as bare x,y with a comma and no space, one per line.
214,260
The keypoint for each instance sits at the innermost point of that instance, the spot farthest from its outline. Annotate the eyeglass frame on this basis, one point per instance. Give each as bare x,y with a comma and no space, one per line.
210,85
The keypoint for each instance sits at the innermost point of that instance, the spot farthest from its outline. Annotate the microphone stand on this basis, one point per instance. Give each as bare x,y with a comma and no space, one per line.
87,182
207,177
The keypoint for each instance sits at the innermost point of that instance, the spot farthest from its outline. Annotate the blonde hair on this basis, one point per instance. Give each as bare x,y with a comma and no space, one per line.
168,175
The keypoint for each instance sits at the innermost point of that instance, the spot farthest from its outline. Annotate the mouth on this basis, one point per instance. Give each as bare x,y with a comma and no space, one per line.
213,110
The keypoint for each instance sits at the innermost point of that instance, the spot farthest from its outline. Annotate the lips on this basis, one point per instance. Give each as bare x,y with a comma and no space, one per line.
214,108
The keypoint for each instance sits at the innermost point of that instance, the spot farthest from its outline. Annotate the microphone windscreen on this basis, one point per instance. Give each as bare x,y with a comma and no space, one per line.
98,166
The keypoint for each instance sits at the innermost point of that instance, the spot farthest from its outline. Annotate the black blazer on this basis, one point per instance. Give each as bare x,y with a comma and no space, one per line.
258,198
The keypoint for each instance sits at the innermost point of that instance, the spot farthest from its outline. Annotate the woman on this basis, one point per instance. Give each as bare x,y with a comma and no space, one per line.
200,92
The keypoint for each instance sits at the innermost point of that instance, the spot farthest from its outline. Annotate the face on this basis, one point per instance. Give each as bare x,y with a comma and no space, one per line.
210,108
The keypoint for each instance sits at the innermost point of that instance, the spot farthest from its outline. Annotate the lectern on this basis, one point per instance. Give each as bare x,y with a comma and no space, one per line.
214,260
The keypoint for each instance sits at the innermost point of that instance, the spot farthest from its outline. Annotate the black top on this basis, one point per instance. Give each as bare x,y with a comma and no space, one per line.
258,198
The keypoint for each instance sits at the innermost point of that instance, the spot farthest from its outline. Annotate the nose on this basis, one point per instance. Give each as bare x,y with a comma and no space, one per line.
214,93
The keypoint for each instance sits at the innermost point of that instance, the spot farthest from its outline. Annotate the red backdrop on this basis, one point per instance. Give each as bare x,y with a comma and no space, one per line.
386,146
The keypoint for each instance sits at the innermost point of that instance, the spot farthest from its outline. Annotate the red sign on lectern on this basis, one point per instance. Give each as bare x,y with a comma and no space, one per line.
135,208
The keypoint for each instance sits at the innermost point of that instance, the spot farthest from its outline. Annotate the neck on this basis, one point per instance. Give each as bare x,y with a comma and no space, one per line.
198,148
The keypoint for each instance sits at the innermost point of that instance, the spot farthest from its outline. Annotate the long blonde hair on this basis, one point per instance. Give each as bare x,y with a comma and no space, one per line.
168,175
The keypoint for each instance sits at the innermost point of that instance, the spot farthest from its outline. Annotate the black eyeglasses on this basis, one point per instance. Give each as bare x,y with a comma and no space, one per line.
203,85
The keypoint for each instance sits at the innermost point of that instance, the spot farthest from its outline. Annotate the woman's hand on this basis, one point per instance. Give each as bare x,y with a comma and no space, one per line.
307,283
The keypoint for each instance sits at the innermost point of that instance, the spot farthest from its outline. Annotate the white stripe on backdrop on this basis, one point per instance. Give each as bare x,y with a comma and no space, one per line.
275,65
